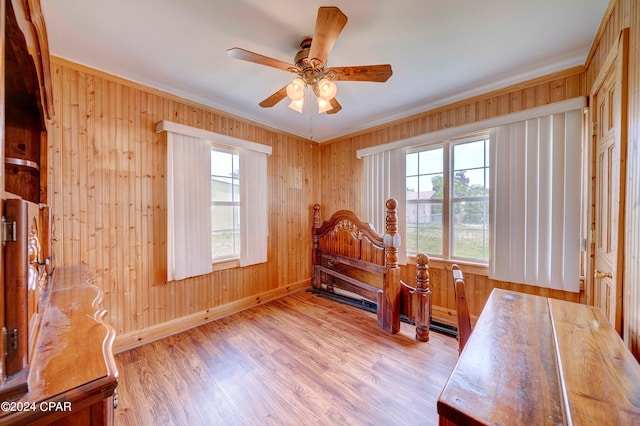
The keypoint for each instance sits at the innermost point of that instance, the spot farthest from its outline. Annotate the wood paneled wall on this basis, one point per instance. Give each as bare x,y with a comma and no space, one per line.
626,14
107,190
342,187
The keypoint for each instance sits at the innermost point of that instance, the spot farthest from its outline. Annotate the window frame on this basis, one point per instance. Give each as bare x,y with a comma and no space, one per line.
448,199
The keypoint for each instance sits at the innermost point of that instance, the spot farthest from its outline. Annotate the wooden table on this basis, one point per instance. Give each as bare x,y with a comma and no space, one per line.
533,360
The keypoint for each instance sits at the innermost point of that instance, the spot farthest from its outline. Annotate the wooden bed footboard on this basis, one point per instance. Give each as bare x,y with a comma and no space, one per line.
352,259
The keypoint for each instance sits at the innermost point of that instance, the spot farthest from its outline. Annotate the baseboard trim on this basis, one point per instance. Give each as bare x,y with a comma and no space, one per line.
155,332
444,315
448,316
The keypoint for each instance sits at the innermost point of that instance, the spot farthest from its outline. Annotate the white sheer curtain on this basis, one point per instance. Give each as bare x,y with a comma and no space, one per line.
535,212
189,206
384,178
254,228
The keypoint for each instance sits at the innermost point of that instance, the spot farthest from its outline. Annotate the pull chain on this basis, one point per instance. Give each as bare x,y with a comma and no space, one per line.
310,116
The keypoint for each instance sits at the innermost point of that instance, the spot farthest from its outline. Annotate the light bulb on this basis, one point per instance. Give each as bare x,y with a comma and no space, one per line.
323,105
295,90
297,105
327,89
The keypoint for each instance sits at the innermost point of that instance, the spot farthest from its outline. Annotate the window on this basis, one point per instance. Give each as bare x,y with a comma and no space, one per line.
225,204
209,176
448,199
425,179
535,171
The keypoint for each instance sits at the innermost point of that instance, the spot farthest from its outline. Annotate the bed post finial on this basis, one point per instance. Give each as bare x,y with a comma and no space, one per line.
316,216
423,298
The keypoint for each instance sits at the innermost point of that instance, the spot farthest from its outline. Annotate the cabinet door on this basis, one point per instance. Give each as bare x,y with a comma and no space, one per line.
16,275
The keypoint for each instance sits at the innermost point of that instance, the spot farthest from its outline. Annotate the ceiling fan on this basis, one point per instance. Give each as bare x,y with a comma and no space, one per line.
310,66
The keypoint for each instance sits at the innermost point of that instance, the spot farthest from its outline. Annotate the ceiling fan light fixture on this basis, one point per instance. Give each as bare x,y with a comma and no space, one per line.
323,105
310,66
327,89
296,105
295,90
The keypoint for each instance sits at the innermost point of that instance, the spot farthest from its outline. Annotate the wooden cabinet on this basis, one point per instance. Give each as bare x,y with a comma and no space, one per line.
56,361
28,100
25,111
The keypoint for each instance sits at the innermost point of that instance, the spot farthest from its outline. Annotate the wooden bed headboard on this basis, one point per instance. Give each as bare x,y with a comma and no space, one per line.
345,234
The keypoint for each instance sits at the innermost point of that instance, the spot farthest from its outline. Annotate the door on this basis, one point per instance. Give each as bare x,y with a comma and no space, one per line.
609,134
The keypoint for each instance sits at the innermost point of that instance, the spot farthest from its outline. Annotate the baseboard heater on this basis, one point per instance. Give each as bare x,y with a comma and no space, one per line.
372,307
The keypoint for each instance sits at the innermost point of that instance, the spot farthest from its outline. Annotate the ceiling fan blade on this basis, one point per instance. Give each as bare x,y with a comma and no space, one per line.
377,73
275,98
245,55
329,25
336,106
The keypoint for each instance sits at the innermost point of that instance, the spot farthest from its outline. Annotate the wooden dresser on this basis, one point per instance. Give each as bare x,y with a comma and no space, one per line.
56,359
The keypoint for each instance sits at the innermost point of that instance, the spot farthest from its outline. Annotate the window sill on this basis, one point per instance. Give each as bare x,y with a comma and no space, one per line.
222,264
444,264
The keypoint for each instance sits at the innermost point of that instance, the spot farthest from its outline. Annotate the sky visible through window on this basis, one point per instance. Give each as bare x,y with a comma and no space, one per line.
222,163
473,158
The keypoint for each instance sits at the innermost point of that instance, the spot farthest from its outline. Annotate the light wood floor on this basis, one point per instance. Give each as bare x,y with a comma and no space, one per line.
298,360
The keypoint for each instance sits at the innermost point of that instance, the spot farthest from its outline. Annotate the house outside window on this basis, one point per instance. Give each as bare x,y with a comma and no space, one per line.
448,199
225,204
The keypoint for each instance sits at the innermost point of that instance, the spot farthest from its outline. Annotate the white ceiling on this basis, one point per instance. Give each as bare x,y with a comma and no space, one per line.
440,50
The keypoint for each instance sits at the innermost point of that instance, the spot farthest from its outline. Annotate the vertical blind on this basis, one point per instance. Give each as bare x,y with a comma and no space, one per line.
535,201
385,177
253,207
189,206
